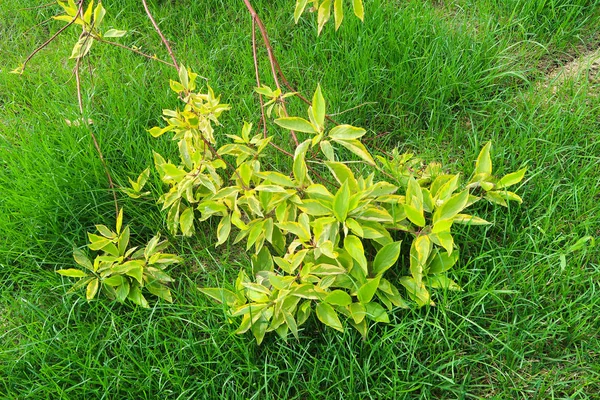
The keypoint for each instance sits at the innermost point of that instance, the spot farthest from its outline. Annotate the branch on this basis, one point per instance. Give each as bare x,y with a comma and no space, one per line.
135,51
47,42
272,60
162,37
260,97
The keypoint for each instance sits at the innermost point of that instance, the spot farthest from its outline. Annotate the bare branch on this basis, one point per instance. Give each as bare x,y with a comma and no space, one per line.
162,37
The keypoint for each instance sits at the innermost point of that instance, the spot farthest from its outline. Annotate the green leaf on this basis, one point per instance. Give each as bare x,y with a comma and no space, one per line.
82,47
327,150
338,13
342,174
72,273
160,290
451,207
441,262
338,298
99,13
377,313
318,107
323,14
414,215
358,9
82,259
220,295
114,280
299,168
358,312
328,316
442,282
357,148
354,247
97,242
386,257
223,229
419,253
341,202
367,291
470,220
186,220
123,291
123,241
136,296
300,6
346,132
416,292
483,165
296,124
92,289
511,179
291,322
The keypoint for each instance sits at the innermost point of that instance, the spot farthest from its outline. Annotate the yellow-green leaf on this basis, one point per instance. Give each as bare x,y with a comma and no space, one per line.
328,316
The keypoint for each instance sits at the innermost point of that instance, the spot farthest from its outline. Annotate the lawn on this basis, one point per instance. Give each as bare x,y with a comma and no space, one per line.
437,78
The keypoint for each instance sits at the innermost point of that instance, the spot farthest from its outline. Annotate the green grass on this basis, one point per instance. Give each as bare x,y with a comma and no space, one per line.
446,78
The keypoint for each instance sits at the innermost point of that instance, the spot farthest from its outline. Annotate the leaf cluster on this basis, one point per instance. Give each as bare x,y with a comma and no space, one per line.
332,248
122,272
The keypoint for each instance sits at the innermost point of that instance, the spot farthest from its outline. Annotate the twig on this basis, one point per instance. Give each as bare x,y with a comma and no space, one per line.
162,37
47,42
355,107
135,51
272,60
36,7
260,97
216,154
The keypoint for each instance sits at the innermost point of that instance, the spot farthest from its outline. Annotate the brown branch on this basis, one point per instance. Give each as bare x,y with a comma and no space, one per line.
216,154
162,37
47,42
37,7
86,122
134,51
272,60
260,97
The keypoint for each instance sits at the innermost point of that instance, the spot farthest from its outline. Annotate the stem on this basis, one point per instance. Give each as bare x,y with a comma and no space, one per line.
214,152
47,42
260,97
162,37
272,60
96,145
135,51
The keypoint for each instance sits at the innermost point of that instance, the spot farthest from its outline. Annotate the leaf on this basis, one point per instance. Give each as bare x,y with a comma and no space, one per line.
342,174
223,229
300,6
299,168
160,290
123,291
114,280
318,107
114,33
82,259
414,215
386,257
82,47
338,298
367,291
358,312
419,252
341,201
136,296
323,14
581,243
296,124
92,289
186,220
119,222
441,262
357,148
483,165
358,9
451,207
346,132
338,13
354,247
220,295
72,273
328,316
97,242
123,241
416,292
511,179
99,13
104,231
377,313
327,150
470,220
442,282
